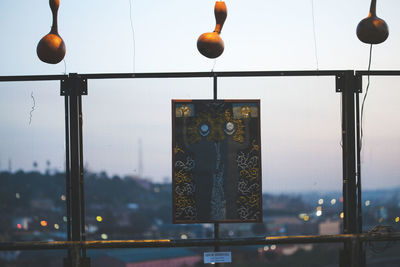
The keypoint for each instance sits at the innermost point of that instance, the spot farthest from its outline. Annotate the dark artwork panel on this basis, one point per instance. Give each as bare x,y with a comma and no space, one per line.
216,161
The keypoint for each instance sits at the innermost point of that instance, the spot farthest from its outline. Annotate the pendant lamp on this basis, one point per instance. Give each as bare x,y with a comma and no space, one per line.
372,30
51,48
210,44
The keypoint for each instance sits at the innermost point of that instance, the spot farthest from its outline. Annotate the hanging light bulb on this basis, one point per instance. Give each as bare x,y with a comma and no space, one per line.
372,30
51,48
210,44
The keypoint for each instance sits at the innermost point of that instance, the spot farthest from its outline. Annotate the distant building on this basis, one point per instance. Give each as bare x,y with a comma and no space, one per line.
289,250
42,204
304,228
21,223
142,257
329,227
291,225
143,183
9,255
133,206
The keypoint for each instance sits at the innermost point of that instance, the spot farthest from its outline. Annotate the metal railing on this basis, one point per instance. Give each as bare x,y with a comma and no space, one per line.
73,86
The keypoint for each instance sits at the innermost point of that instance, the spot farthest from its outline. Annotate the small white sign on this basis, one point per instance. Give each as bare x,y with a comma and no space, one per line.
217,257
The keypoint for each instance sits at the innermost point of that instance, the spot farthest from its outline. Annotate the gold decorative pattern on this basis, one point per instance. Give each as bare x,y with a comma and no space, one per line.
215,123
248,185
238,136
183,111
177,150
245,111
184,186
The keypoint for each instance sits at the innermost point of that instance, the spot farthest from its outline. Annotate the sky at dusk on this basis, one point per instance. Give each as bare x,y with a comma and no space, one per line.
300,116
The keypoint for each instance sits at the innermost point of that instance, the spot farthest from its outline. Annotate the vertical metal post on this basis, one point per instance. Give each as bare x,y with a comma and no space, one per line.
75,168
349,154
361,258
349,166
216,225
75,162
215,95
216,234
67,173
73,88
359,191
81,176
216,237
362,255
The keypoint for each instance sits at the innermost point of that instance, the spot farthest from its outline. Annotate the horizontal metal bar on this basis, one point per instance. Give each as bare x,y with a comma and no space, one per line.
378,73
212,74
282,73
197,242
174,75
199,75
148,75
29,78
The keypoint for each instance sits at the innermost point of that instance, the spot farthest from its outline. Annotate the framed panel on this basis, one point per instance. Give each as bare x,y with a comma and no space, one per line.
216,161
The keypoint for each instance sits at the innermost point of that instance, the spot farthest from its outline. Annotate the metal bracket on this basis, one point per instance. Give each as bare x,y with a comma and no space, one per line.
74,82
358,79
340,82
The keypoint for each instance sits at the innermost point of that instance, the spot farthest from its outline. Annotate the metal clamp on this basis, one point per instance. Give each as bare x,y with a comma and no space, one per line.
74,84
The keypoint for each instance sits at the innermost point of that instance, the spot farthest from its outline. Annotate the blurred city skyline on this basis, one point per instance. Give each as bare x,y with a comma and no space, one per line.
300,116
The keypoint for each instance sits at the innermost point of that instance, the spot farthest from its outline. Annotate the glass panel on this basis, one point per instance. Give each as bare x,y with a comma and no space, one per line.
32,180
127,152
147,257
301,153
303,255
127,139
380,153
382,254
50,258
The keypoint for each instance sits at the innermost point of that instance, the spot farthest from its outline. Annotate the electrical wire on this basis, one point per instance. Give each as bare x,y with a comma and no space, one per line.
133,37
314,33
65,67
341,122
215,62
365,97
32,109
377,231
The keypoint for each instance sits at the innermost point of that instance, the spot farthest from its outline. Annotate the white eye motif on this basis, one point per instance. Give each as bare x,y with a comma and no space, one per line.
229,128
204,130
